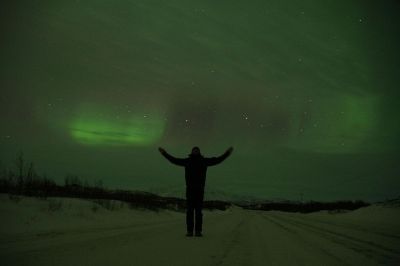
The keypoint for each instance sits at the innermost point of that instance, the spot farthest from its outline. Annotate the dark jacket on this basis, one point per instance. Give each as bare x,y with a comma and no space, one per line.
196,167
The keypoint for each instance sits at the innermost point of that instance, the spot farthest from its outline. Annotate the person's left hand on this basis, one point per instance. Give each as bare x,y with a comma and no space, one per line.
230,149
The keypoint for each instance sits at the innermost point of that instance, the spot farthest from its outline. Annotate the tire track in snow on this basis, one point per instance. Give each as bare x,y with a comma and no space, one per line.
80,231
350,226
366,248
232,243
63,238
300,238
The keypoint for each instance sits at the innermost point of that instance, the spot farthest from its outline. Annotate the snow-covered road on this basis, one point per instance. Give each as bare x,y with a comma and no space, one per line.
234,237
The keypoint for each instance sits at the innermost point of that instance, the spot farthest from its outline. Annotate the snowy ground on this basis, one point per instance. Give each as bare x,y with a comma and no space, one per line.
79,232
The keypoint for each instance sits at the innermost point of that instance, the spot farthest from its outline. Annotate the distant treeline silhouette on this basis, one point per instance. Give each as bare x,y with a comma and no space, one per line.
306,207
24,180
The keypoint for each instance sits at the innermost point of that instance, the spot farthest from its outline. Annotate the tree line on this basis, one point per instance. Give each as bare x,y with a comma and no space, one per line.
22,179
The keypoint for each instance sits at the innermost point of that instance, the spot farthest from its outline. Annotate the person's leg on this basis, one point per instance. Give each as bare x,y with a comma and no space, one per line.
199,213
189,212
199,220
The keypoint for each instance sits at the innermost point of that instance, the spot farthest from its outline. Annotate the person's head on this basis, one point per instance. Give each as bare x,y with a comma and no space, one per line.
195,151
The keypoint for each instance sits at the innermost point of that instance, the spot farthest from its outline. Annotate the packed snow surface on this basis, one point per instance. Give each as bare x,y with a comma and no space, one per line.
59,231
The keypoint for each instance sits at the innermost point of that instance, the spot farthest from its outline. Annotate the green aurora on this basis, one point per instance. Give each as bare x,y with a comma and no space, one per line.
128,130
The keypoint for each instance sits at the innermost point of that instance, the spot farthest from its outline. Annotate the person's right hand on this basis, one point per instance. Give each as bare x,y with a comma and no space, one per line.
161,150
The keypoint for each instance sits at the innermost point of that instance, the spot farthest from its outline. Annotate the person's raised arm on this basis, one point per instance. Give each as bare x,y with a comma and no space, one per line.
172,159
216,160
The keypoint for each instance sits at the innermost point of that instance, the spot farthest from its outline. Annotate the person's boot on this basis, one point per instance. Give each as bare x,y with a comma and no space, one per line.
198,234
189,234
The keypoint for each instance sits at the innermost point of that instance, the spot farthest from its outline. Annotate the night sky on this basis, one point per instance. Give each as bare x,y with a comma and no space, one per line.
307,93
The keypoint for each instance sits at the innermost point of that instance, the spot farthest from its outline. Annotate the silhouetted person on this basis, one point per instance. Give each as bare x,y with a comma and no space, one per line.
195,176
